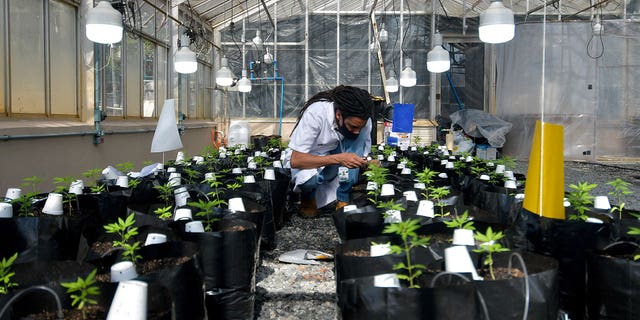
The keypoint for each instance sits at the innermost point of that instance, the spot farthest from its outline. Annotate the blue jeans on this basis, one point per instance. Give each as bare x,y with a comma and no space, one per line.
331,172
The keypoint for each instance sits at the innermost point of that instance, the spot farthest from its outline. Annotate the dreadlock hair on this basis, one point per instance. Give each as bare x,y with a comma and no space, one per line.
351,101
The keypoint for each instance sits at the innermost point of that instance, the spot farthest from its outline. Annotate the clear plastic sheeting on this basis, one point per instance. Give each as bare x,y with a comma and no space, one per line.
480,124
588,83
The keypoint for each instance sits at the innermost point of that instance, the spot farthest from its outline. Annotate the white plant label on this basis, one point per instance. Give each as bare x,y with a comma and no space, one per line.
425,209
406,171
350,207
410,195
380,249
372,186
419,185
388,280
392,216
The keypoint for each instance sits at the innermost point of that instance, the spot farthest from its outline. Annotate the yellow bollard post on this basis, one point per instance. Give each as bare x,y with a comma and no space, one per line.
544,188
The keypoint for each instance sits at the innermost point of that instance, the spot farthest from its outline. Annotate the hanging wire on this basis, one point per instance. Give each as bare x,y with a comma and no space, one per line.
395,43
598,35
404,36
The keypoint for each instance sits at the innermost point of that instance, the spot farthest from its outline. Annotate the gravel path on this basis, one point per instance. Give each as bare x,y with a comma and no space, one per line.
289,291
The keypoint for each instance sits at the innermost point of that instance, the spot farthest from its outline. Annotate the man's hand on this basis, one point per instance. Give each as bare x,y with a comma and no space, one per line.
350,160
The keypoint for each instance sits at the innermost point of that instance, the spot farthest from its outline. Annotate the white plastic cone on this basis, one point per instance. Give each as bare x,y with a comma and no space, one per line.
166,137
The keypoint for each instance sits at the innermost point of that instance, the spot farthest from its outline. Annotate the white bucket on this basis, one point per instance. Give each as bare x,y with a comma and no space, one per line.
239,133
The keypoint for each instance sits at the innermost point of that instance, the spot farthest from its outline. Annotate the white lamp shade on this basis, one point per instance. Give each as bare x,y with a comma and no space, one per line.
383,35
244,84
268,57
408,75
257,41
224,76
185,61
438,60
496,24
392,83
104,24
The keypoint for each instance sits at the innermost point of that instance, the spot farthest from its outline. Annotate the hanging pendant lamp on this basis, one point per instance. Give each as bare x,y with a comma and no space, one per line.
104,24
438,58
496,23
392,83
224,76
408,75
244,84
185,61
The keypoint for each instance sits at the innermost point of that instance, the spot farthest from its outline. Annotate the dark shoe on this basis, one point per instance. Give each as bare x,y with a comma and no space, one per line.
308,208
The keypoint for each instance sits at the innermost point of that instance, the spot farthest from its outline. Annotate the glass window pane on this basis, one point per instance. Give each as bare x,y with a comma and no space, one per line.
201,89
161,77
162,22
3,23
111,67
62,42
192,111
208,111
27,56
147,18
149,79
133,78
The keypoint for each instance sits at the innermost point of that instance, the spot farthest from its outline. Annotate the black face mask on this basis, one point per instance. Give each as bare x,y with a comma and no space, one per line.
346,133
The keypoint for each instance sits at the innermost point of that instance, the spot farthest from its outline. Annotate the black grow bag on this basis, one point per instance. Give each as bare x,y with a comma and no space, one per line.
567,241
348,266
361,300
49,274
506,299
613,285
183,281
44,238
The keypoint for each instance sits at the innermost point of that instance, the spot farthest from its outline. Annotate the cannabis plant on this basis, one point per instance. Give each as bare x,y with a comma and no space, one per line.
166,193
62,187
580,198
461,222
126,231
410,239
438,194
620,189
426,177
25,203
378,175
489,244
163,213
83,292
205,211
6,274
125,167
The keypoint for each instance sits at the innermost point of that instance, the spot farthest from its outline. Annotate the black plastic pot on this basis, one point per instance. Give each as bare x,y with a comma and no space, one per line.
49,274
537,294
44,238
183,282
613,282
567,241
361,300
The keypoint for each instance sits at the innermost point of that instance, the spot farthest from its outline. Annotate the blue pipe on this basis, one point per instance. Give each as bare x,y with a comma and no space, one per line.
455,92
276,77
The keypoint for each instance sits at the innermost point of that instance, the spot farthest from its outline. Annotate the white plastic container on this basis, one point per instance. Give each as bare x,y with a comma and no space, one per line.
239,133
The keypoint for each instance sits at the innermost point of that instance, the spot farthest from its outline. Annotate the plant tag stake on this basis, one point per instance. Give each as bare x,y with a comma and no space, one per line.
371,185
420,186
349,207
425,208
380,249
343,174
392,216
388,280
410,195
